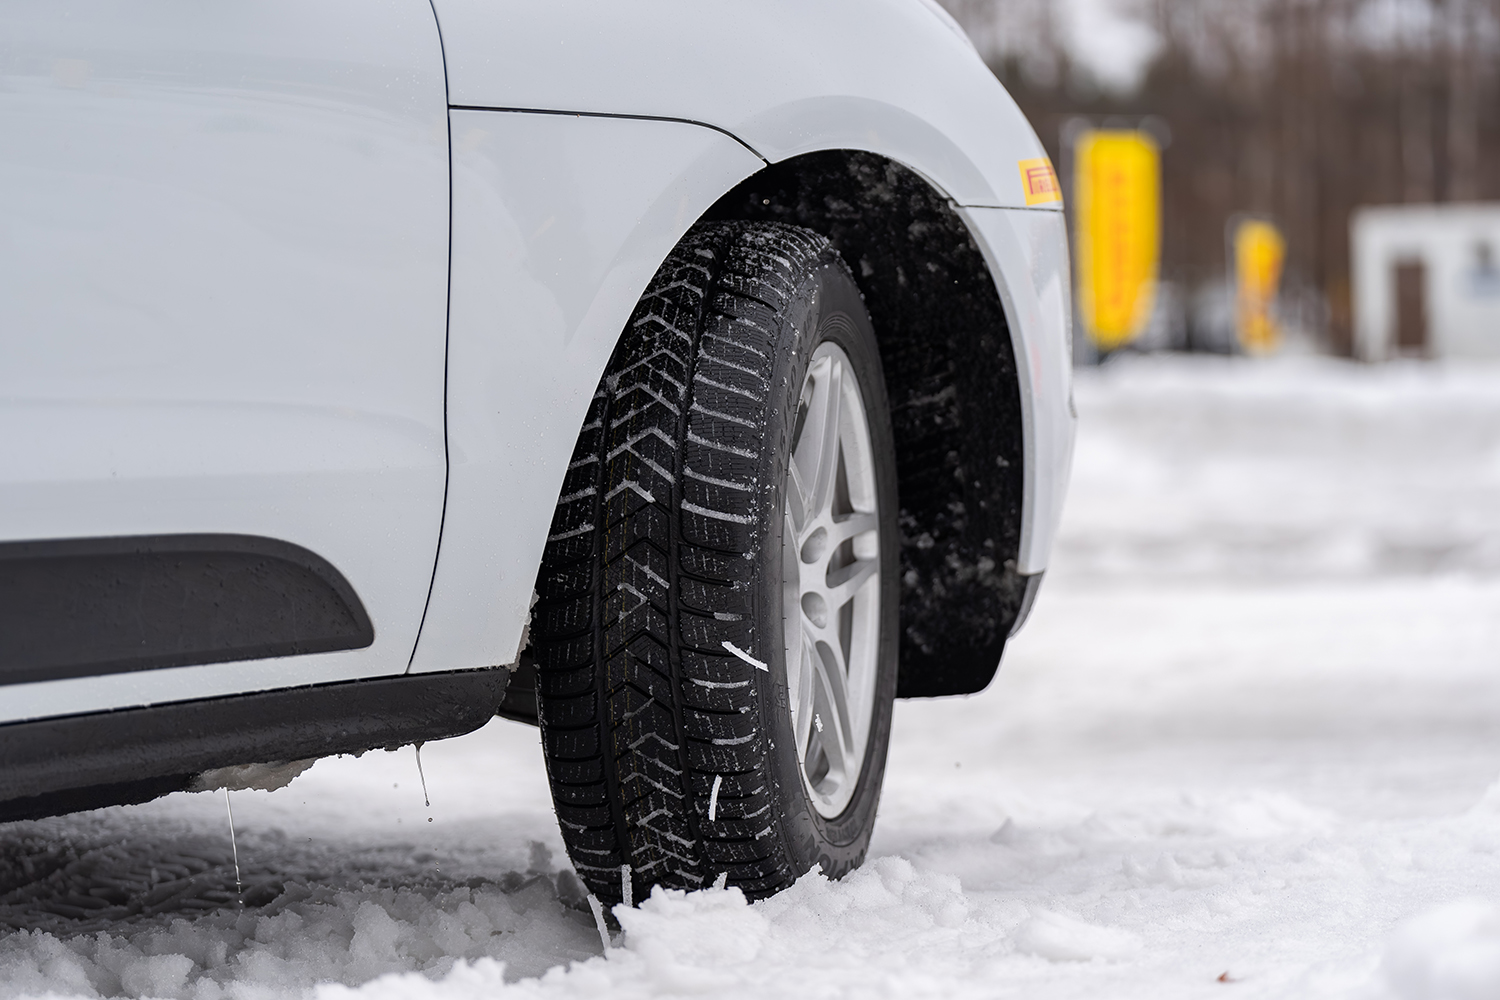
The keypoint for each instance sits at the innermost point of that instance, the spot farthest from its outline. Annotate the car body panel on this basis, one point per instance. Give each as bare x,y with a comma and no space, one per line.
559,222
223,290
1028,252
784,76
246,211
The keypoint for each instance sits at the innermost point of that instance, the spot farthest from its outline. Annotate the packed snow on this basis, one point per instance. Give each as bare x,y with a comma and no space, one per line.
1248,746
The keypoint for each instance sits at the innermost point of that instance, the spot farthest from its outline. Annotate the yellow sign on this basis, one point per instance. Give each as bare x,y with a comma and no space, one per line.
1117,198
1259,252
1039,182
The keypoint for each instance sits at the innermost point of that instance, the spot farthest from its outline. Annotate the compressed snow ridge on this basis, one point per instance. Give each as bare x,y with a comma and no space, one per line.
285,949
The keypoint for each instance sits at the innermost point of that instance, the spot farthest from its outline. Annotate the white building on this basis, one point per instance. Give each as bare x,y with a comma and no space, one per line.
1426,281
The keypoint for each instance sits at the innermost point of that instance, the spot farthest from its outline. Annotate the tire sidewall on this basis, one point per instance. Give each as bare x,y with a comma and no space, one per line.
826,307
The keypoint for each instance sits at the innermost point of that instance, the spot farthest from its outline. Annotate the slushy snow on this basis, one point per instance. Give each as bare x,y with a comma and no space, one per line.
1248,746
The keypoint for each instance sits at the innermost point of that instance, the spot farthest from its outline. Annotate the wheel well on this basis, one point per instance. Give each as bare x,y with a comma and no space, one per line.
950,373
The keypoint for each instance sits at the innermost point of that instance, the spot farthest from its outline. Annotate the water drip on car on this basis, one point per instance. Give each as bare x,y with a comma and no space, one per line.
426,800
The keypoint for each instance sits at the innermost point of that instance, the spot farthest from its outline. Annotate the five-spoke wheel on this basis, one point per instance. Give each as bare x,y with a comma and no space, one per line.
831,568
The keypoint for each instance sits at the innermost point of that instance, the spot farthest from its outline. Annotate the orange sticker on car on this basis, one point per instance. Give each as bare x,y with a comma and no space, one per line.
1039,182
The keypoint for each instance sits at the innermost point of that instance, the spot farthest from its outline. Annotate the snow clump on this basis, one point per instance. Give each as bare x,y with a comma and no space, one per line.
884,930
1451,953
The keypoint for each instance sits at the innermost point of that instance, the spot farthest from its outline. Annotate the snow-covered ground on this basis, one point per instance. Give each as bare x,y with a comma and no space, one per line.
1248,746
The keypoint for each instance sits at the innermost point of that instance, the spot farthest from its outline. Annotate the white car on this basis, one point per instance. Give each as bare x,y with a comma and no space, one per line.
689,378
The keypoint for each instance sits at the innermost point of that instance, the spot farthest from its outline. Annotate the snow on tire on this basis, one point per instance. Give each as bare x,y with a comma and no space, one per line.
686,559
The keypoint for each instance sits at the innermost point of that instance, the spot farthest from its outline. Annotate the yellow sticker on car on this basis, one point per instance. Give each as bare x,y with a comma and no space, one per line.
1039,182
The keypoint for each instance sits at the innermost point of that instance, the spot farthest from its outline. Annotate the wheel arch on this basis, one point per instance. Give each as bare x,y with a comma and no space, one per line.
948,343
957,399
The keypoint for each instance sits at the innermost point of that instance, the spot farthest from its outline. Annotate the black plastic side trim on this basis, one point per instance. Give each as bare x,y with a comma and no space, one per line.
72,800
520,694
51,766
79,607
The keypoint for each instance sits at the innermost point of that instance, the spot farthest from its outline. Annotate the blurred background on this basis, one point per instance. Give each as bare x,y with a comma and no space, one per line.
1363,133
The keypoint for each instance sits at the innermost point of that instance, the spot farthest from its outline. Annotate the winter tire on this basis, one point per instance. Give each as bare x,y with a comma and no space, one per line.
716,633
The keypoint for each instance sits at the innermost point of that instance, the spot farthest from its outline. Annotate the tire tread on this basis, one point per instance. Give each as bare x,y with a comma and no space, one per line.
648,572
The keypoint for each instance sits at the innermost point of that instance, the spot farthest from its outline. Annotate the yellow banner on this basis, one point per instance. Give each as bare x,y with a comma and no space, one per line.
1259,252
1117,198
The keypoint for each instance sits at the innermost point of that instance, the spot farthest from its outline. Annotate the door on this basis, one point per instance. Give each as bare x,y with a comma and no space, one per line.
1411,306
223,292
